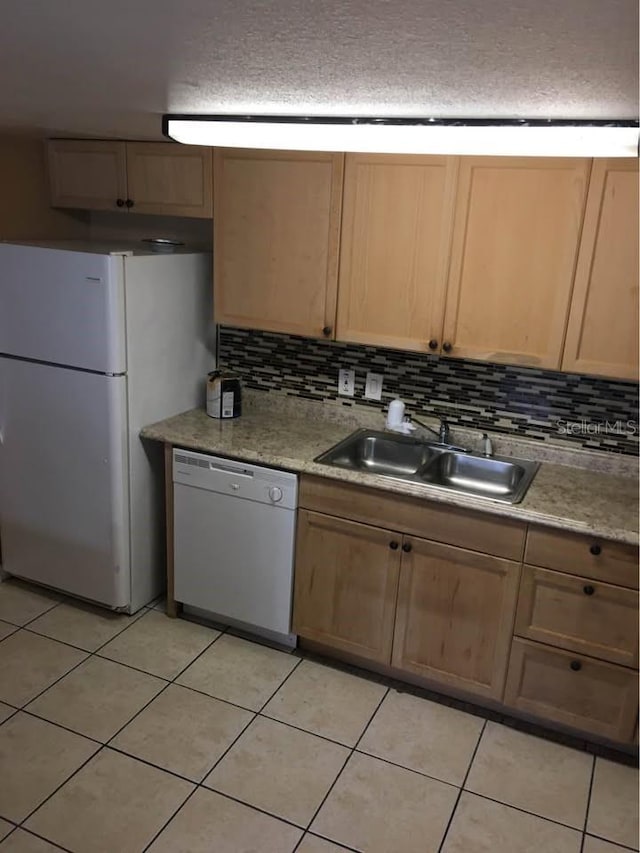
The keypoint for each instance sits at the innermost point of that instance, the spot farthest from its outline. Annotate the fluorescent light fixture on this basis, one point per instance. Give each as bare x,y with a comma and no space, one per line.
535,137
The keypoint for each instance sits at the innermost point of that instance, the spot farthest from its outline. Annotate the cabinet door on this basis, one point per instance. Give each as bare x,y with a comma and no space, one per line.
602,336
396,234
175,180
87,174
585,694
515,244
455,616
346,582
276,231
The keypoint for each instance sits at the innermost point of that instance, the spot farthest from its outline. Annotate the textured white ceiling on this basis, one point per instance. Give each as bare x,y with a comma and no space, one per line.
113,67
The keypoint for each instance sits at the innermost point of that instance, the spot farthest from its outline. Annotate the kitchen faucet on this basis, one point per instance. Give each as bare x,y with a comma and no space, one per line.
443,433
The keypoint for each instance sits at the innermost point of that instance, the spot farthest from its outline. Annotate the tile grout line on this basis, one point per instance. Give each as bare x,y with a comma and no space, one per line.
615,843
524,811
88,654
586,811
200,785
305,831
101,745
92,654
55,791
346,761
461,789
160,692
36,835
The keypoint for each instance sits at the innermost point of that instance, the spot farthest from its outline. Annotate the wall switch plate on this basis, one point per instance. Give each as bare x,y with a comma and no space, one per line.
373,387
346,382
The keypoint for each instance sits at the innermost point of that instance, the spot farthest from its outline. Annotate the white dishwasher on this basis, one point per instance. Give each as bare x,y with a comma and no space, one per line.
234,530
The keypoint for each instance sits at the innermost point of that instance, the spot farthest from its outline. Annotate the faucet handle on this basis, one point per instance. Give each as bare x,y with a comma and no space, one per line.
444,431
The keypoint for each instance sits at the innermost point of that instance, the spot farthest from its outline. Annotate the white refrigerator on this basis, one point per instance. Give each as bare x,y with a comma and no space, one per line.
94,344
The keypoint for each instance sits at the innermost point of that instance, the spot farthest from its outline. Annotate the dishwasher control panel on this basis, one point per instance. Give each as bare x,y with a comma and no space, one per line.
238,479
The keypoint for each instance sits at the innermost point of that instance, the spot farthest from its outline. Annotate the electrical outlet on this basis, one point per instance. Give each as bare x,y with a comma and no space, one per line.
373,386
346,382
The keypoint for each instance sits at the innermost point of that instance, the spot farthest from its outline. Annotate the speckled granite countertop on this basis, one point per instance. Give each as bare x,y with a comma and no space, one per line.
574,490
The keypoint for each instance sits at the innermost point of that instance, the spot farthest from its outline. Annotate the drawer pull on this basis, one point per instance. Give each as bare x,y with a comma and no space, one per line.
393,545
575,665
588,589
407,547
595,550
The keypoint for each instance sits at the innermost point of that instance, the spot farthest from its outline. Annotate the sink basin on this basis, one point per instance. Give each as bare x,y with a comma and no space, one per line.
414,461
379,453
493,477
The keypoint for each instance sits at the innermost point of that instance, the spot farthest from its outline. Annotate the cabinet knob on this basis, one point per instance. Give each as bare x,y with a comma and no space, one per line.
433,344
575,665
588,589
447,347
326,331
393,545
120,202
129,203
595,550
407,547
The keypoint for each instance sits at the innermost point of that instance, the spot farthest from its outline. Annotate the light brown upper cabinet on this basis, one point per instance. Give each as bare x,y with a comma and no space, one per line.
87,174
174,180
396,232
602,336
143,177
517,228
276,233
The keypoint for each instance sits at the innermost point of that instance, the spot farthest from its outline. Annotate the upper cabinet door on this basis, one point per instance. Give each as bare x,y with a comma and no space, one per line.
396,234
276,231
602,336
517,228
86,173
169,179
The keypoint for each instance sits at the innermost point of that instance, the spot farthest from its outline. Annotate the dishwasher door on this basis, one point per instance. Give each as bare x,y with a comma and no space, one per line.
234,531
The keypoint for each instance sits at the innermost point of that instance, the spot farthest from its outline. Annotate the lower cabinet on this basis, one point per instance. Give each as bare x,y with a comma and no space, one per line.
452,608
346,585
546,625
580,692
455,616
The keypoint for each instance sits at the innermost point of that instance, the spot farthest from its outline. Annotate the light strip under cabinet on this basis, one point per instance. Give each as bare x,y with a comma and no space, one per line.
508,137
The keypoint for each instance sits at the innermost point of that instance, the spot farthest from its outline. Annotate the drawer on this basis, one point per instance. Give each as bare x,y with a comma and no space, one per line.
477,531
589,695
579,614
586,556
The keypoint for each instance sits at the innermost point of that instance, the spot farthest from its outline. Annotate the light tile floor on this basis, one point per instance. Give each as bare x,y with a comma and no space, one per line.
125,734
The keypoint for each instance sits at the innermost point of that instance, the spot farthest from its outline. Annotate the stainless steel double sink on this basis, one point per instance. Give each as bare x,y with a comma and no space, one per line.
442,466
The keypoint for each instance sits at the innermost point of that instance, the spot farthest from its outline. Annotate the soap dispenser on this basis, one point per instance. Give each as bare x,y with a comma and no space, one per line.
396,420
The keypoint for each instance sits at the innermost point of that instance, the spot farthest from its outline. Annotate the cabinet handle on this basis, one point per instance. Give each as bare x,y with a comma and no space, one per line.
326,331
447,347
393,545
433,344
407,547
129,203
120,202
575,665
588,589
595,550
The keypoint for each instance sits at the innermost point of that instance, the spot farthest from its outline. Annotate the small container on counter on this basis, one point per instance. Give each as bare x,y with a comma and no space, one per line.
224,394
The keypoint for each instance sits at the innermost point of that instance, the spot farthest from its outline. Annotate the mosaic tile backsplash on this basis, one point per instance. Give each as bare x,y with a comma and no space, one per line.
522,401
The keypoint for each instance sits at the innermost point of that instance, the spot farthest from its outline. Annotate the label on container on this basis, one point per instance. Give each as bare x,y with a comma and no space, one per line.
227,404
